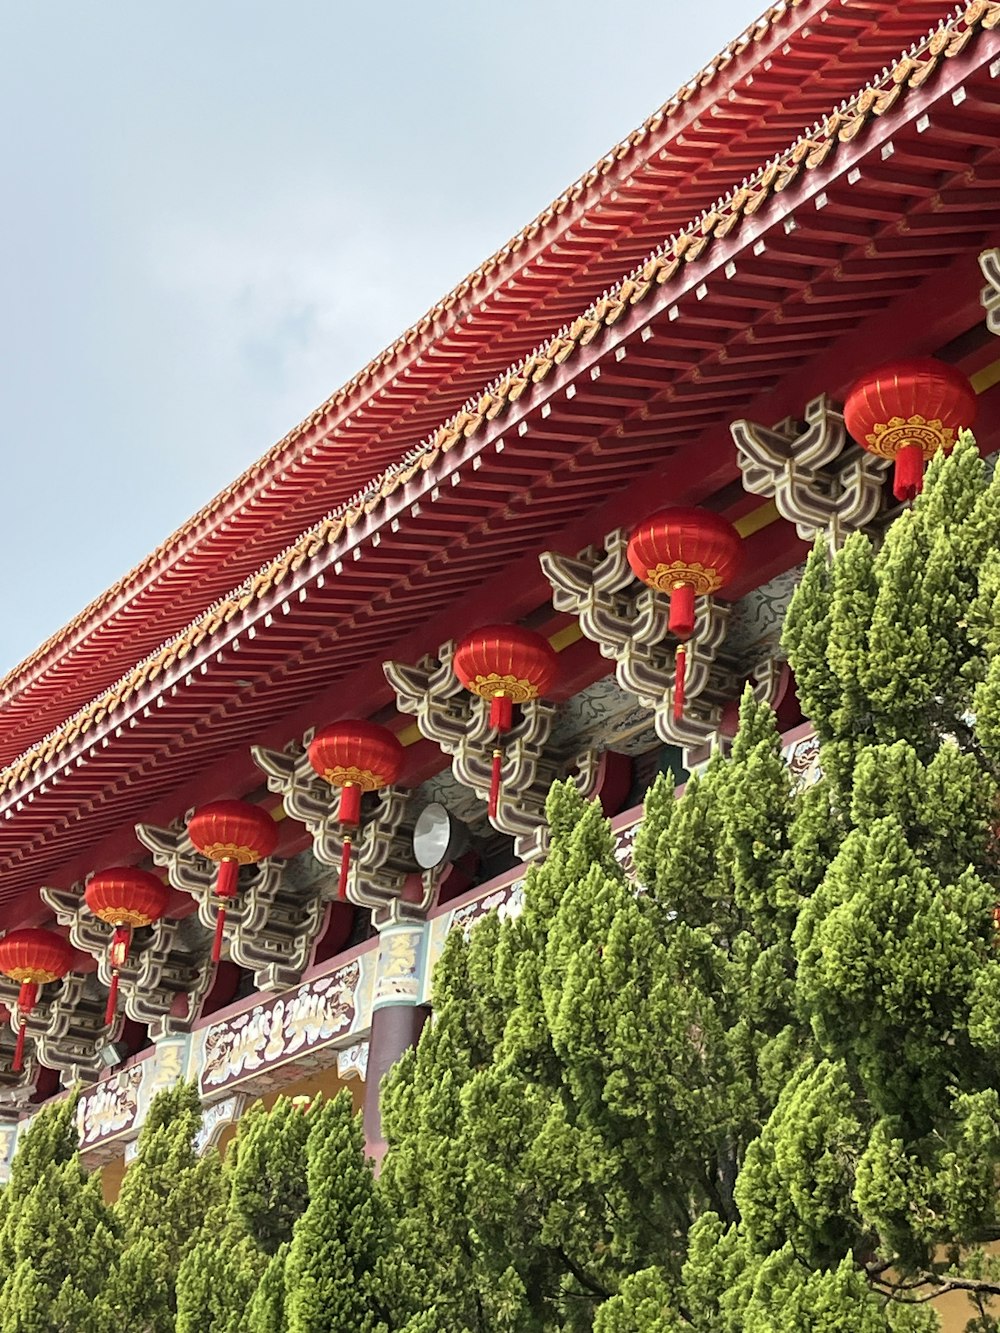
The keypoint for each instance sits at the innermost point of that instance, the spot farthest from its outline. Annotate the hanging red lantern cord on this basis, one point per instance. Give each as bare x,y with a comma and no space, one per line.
33,957
233,834
356,756
908,411
507,665
126,898
686,553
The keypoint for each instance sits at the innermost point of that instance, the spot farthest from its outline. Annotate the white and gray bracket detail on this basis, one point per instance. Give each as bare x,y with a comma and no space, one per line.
628,622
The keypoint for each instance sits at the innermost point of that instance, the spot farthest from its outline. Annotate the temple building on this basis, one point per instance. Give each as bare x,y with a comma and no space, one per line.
249,790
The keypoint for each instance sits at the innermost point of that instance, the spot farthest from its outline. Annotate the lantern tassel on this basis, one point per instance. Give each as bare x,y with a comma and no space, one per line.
501,720
226,886
501,712
682,612
680,672
495,782
227,882
121,942
18,1064
25,1003
112,1005
220,926
345,869
908,475
350,803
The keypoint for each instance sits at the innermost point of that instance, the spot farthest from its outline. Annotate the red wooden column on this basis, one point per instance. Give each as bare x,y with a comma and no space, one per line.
398,1016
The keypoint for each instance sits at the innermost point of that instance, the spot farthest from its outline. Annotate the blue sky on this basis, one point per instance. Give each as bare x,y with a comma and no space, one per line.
216,212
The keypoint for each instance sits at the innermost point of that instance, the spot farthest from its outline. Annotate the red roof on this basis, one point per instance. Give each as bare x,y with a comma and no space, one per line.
783,73
862,237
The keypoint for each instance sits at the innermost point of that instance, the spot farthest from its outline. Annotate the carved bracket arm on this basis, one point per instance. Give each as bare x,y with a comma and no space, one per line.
819,479
459,723
628,622
382,866
989,262
271,923
165,960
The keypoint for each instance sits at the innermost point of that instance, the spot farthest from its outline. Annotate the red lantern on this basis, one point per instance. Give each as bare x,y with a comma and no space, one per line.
686,553
908,411
355,756
234,834
33,957
125,897
507,665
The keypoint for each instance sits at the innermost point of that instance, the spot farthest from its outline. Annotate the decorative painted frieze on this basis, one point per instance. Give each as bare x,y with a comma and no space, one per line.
316,1025
10,1130
257,1049
383,874
459,722
989,262
818,477
271,923
165,961
111,1109
400,965
628,622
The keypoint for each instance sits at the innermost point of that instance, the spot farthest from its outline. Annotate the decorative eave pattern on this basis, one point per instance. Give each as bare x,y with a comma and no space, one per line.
205,557
843,126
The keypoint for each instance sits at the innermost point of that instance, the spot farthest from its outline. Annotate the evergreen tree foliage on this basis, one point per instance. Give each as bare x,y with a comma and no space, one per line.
51,1139
268,1176
218,1277
165,1196
231,1281
266,1311
329,1271
758,1092
754,1088
58,1237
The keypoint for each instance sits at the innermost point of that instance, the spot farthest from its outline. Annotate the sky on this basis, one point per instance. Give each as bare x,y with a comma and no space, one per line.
215,212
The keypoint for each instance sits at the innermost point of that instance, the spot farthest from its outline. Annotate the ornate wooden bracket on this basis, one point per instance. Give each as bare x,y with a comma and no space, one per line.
820,480
165,960
383,871
989,262
628,622
16,1090
66,1026
459,723
270,925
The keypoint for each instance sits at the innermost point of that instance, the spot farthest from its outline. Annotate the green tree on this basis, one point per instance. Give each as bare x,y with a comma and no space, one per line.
589,1084
167,1192
492,1218
436,1260
266,1311
58,1236
329,1272
268,1176
877,1169
231,1281
50,1140
761,1092
218,1277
